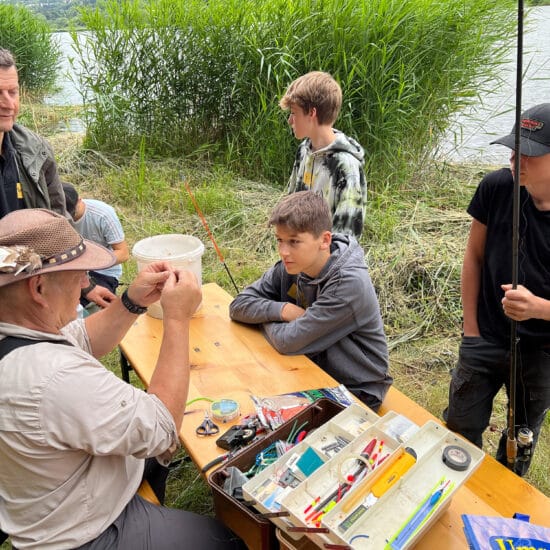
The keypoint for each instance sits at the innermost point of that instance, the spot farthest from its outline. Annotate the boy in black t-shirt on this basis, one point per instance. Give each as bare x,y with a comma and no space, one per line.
489,302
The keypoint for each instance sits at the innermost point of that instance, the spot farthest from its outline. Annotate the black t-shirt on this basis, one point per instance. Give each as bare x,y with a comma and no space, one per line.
10,190
492,205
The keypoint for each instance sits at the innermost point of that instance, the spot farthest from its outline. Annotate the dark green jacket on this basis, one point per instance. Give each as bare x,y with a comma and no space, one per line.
37,171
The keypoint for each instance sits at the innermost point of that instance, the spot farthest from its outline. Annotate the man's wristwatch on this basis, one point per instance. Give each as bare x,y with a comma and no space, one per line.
84,291
131,306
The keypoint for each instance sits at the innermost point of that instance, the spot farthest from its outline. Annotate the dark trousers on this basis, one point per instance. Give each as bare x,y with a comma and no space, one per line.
482,369
146,526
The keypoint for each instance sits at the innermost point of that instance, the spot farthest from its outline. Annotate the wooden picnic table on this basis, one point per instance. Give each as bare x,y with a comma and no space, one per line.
232,360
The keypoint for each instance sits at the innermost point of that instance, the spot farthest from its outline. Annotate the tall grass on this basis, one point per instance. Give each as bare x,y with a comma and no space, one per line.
28,37
205,77
415,267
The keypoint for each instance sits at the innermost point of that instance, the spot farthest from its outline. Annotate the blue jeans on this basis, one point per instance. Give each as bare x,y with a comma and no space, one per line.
482,369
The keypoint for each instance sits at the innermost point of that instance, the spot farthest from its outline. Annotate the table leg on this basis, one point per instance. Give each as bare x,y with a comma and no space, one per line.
125,366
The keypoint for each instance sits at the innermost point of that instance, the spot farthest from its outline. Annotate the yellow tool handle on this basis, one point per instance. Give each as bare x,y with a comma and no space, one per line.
364,489
399,467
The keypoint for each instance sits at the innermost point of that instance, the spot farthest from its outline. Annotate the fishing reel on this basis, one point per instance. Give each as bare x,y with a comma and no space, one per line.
236,436
525,444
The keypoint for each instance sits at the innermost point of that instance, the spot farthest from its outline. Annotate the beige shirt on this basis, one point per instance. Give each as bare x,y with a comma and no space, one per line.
73,437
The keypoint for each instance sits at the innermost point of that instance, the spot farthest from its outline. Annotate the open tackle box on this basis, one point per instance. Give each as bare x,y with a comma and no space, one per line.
252,526
357,481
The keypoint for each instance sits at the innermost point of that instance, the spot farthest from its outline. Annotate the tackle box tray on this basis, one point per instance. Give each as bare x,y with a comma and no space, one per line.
270,513
402,514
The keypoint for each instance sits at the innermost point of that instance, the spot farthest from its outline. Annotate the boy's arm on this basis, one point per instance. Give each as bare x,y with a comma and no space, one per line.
260,302
470,280
331,318
113,233
120,250
348,200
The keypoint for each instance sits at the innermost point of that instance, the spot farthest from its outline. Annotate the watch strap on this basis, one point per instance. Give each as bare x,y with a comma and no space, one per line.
132,307
84,291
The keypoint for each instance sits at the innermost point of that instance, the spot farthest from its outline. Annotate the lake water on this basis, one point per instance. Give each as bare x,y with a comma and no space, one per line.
494,115
470,133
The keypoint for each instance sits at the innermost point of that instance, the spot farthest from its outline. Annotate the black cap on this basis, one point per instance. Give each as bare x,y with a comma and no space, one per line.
535,132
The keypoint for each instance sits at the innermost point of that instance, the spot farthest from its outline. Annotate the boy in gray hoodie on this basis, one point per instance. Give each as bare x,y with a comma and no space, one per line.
319,300
327,161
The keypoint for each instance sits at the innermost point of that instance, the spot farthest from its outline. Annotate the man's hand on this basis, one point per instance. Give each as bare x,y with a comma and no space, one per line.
101,296
181,295
146,288
291,312
521,304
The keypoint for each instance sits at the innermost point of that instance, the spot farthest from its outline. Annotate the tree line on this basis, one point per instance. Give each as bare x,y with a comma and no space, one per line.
60,14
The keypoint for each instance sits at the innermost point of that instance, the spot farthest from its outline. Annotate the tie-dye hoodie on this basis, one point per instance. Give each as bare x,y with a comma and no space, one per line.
337,172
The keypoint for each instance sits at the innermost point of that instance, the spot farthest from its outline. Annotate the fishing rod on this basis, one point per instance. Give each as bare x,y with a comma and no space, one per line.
511,442
207,229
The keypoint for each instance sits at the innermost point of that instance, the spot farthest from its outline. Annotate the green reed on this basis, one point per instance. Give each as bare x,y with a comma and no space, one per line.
189,75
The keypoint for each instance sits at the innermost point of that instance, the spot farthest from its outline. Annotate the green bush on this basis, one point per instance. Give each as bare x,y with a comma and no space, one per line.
28,37
192,76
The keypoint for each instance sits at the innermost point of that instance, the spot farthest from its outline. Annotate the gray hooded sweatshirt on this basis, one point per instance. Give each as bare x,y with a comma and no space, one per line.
337,173
341,330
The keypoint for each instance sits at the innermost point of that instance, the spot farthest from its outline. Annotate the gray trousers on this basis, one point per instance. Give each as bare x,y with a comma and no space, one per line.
145,526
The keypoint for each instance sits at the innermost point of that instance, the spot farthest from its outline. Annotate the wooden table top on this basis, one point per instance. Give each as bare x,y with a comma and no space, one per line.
232,360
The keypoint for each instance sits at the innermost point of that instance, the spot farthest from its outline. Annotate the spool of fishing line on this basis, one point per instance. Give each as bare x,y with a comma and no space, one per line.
225,410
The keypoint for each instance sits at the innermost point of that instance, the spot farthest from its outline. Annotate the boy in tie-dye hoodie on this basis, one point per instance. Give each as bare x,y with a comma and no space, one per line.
327,161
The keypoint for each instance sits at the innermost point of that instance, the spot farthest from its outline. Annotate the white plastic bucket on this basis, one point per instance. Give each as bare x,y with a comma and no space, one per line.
183,251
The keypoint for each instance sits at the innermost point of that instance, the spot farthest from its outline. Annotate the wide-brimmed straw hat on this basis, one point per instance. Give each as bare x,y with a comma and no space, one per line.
35,241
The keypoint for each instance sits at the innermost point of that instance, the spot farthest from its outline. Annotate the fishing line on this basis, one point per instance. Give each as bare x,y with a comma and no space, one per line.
207,229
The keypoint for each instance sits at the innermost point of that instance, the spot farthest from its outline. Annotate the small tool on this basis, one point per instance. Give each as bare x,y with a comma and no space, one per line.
421,515
207,427
377,486
388,477
218,460
342,488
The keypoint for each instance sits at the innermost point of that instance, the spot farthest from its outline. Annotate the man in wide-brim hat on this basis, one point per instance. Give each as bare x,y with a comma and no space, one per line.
74,438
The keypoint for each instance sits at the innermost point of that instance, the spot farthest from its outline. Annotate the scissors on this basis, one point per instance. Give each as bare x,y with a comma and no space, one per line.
207,427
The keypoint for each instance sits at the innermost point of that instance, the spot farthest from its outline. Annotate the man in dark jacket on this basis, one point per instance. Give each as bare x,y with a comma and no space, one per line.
28,172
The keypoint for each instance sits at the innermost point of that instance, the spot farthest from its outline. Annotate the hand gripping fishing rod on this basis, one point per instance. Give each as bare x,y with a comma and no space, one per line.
207,229
511,443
